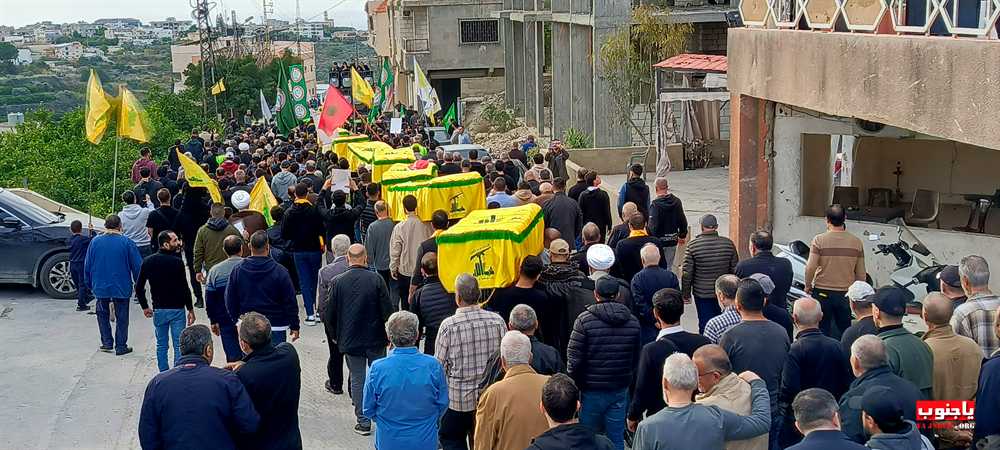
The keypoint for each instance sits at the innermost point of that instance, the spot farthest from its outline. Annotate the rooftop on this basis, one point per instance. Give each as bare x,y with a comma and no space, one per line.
694,63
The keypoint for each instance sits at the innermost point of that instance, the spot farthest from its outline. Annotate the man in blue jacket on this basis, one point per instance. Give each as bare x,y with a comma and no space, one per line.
224,409
871,367
110,271
259,284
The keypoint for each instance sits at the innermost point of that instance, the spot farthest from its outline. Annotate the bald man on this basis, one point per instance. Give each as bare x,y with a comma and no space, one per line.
814,361
549,235
591,235
957,360
719,386
621,230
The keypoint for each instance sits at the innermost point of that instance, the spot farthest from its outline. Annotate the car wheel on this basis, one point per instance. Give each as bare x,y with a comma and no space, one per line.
56,279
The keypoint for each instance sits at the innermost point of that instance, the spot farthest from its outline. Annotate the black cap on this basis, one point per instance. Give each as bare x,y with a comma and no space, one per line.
709,221
607,287
891,300
884,407
949,275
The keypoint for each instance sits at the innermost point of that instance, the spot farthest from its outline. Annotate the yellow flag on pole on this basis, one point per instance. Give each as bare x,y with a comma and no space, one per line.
197,177
262,200
99,110
219,87
360,89
133,122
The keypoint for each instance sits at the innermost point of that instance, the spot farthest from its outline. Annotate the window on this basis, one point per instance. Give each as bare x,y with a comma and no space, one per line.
484,31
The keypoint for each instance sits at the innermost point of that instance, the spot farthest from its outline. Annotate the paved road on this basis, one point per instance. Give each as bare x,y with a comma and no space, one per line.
59,392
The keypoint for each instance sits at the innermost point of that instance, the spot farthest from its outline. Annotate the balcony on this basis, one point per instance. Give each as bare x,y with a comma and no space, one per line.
416,45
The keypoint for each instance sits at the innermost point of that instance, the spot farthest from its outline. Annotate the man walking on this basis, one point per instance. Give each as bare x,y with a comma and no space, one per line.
134,217
725,291
508,417
377,237
262,285
908,356
595,205
335,365
763,261
78,244
719,386
145,161
860,294
817,418
431,303
215,298
560,403
647,282
667,220
464,344
871,369
628,259
708,257
404,243
357,310
110,271
836,259
303,229
166,274
208,250
225,411
976,318
164,217
634,191
563,213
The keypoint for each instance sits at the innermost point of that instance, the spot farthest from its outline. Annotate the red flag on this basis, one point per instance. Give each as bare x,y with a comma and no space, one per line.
336,110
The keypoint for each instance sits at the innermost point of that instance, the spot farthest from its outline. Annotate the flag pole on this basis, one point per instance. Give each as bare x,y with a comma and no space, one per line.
114,179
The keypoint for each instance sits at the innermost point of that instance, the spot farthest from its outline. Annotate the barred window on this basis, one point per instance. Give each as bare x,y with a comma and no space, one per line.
481,31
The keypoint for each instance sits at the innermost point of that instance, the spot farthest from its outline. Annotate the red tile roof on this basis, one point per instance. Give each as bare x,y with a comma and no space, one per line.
695,63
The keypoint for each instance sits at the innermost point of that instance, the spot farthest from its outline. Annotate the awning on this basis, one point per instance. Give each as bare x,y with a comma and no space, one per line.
681,96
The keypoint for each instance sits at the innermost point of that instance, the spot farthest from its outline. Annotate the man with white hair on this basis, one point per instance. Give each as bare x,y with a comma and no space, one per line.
976,317
647,282
338,265
686,425
725,291
508,417
814,361
405,393
871,368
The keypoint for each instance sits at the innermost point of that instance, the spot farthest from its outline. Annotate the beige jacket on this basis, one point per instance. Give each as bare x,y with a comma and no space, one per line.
733,394
508,416
957,360
404,243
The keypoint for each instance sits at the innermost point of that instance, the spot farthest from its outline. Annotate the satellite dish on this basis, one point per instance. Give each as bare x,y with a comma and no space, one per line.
869,126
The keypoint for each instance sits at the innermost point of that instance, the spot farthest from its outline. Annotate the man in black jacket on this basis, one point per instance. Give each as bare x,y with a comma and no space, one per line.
601,358
273,379
303,229
357,309
763,261
648,398
560,402
667,220
628,261
171,297
439,221
563,213
259,284
569,293
340,218
580,186
431,303
595,205
634,190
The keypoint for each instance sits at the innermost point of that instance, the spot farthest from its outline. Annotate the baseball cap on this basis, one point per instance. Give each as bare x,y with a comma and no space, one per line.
600,257
709,221
559,247
860,292
883,406
607,287
949,275
765,282
891,300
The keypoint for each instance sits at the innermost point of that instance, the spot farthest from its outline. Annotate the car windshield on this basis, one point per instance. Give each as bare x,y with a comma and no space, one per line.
27,210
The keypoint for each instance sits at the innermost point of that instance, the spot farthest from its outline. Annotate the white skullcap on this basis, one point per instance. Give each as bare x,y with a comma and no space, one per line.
600,257
241,199
244,147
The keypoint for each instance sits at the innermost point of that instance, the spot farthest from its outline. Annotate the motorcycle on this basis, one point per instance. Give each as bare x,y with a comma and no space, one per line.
916,268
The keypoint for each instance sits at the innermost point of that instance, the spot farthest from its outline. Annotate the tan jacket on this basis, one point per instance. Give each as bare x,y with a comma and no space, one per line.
733,394
508,416
404,243
957,360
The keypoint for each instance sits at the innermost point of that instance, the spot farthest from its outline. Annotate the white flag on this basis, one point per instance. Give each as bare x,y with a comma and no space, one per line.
265,111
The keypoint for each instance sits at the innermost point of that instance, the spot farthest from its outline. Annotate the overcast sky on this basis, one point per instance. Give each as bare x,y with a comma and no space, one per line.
21,12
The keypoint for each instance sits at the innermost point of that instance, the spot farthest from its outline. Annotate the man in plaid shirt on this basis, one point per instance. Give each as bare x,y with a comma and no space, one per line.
725,291
464,344
976,317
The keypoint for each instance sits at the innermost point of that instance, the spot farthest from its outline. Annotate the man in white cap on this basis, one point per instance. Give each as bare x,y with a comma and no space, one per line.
246,220
860,295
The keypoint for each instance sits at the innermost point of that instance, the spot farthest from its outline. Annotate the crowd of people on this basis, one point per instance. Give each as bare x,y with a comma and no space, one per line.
584,350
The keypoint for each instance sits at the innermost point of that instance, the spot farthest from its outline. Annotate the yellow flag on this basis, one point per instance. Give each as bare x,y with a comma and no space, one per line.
219,87
360,89
99,109
133,122
262,200
197,177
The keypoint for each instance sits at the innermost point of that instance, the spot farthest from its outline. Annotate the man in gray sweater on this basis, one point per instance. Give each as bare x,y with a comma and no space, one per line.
685,425
377,244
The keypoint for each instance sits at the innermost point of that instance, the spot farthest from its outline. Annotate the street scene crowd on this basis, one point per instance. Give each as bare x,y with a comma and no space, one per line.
584,350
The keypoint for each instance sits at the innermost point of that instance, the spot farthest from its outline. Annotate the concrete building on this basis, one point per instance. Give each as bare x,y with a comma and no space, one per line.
456,42
882,115
171,23
579,30
183,55
310,30
23,57
118,23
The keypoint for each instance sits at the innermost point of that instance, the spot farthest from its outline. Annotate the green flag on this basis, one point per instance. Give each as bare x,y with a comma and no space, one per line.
297,87
450,118
283,105
383,91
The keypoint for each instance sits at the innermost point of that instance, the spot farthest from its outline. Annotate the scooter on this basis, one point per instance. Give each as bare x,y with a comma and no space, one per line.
916,269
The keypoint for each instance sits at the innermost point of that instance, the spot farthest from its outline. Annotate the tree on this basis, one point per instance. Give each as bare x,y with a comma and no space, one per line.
7,51
243,80
628,58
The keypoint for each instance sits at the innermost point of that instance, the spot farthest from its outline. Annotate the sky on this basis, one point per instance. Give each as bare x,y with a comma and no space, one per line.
21,12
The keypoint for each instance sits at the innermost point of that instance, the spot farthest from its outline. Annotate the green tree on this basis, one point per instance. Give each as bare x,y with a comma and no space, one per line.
7,51
243,80
628,57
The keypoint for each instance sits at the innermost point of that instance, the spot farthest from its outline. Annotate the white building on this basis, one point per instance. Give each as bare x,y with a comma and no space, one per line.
172,24
23,57
69,51
310,30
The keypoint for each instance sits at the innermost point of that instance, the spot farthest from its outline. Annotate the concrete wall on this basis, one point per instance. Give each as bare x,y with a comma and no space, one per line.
817,176
611,160
446,51
477,87
708,38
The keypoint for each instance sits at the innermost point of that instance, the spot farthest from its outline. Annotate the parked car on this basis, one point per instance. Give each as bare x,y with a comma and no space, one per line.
33,241
464,149
439,134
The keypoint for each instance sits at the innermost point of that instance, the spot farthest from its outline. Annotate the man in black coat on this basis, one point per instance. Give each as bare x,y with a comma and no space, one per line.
595,205
560,403
303,229
666,219
431,303
580,186
628,261
763,261
358,307
338,218
563,213
273,378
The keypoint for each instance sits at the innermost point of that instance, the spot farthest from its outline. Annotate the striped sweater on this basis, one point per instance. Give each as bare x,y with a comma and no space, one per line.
706,258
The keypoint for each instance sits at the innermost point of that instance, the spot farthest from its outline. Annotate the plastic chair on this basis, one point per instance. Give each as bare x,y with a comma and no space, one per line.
847,196
880,197
638,157
925,209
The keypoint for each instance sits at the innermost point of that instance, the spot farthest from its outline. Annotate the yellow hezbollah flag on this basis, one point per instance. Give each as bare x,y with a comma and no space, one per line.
132,120
360,89
99,109
384,158
262,200
457,194
402,173
197,177
219,87
359,153
490,244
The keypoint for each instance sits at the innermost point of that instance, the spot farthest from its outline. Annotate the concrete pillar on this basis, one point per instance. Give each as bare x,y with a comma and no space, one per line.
749,170
584,110
518,66
507,31
563,91
530,74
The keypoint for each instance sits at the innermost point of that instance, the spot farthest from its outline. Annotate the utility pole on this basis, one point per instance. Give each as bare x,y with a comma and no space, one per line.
202,16
298,29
